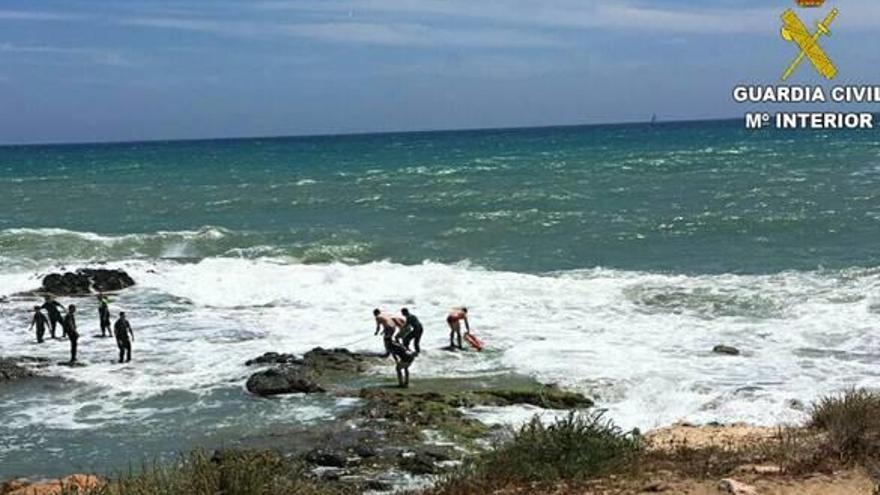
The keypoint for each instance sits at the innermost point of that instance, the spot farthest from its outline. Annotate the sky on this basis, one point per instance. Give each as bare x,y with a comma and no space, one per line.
83,71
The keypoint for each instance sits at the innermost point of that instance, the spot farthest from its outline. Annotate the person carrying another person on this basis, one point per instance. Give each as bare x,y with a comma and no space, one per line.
53,309
40,322
412,330
389,325
122,330
71,332
454,319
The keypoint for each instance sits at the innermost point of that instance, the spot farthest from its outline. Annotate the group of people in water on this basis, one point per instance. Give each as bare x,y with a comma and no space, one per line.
399,331
66,318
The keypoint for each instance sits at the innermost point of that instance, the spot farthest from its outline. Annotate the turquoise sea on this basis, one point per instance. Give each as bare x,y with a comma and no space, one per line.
609,259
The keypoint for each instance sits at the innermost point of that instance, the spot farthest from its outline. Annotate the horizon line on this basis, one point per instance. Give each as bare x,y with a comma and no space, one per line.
320,135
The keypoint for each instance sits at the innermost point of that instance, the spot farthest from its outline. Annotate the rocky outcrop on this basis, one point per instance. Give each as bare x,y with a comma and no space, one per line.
83,281
392,429
69,485
323,360
726,349
283,380
295,375
274,358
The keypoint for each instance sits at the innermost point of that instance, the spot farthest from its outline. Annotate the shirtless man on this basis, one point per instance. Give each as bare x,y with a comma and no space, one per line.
389,325
454,319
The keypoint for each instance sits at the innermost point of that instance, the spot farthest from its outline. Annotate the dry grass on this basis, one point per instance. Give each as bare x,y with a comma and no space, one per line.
239,473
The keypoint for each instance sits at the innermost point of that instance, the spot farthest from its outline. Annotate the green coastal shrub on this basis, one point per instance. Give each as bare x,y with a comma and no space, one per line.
581,446
851,423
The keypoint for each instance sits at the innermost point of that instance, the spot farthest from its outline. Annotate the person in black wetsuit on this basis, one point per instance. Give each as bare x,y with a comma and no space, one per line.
122,330
70,330
403,359
104,316
40,322
413,329
53,309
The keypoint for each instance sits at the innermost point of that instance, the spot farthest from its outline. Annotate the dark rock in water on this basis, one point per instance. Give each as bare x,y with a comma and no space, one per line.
283,380
322,360
301,375
82,282
326,458
418,463
10,370
726,349
31,361
365,451
377,486
274,358
72,364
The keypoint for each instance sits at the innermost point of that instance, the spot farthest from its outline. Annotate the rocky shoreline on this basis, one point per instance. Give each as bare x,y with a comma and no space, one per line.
391,436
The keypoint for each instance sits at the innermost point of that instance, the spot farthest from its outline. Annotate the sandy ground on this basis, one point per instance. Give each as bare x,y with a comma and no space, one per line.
746,479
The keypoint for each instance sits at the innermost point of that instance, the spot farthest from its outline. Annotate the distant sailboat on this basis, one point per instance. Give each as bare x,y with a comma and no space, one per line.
653,119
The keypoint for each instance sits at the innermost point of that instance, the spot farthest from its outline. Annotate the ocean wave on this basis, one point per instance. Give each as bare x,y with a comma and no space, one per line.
28,247
639,342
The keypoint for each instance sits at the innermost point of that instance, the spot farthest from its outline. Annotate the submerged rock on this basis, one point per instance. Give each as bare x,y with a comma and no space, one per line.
82,282
726,349
418,463
10,370
283,380
325,458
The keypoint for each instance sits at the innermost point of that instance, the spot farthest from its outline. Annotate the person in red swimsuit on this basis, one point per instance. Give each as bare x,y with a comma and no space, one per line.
454,319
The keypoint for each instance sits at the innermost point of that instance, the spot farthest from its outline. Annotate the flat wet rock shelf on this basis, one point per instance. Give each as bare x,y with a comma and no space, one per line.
423,430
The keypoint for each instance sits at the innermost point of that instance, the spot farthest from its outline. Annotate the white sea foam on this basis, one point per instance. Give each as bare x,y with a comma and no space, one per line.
639,343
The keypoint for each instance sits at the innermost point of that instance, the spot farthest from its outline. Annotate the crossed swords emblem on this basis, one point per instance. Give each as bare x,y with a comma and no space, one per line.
795,31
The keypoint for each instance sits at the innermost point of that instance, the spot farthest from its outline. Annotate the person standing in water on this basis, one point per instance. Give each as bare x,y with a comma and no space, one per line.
104,316
70,330
53,309
40,322
412,330
454,319
122,330
388,324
